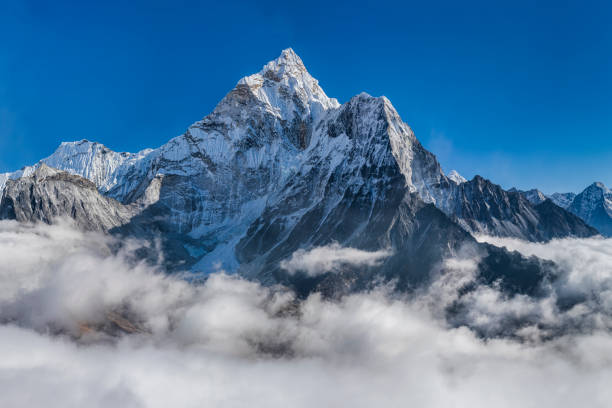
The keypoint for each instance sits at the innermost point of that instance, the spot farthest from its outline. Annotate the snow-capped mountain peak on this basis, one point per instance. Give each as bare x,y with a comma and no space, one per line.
454,176
599,187
287,88
287,63
277,165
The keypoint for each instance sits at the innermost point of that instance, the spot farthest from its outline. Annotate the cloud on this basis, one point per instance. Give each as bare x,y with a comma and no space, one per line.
582,290
231,342
331,258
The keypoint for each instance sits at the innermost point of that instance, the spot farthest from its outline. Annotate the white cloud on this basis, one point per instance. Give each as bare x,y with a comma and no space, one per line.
584,277
234,343
331,258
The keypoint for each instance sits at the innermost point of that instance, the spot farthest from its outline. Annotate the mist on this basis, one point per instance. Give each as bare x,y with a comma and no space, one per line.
85,323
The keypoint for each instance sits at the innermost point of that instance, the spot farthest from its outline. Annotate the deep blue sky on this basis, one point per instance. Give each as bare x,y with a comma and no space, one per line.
518,91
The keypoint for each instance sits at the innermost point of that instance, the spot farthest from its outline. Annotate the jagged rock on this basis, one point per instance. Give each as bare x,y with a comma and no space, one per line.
483,207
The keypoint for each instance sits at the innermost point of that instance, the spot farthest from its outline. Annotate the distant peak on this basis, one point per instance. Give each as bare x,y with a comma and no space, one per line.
288,57
288,63
597,188
456,177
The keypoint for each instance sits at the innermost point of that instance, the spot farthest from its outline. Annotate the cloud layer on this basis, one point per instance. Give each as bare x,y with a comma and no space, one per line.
331,258
230,342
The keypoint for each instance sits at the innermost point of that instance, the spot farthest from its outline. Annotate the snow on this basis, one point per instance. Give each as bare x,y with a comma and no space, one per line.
95,162
288,71
563,200
455,177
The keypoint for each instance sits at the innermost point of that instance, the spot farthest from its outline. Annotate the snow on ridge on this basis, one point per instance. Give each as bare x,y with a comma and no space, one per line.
455,177
94,161
288,72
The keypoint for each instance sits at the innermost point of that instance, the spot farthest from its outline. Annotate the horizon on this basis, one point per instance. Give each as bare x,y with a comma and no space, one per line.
145,96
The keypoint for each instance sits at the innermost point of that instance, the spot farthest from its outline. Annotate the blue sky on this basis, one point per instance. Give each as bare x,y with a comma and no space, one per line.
519,91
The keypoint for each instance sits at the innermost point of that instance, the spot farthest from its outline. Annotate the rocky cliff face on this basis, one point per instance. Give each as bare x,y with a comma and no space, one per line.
483,207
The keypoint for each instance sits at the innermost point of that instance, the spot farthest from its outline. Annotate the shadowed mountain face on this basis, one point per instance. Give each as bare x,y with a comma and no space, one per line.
483,207
593,205
277,167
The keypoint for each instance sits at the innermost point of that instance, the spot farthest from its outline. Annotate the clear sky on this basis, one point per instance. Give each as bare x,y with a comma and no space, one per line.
517,91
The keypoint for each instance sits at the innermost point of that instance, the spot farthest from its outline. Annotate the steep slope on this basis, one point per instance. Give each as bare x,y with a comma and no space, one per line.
555,222
353,190
594,205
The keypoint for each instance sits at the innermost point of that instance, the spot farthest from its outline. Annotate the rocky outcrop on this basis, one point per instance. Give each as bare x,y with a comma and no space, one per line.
49,193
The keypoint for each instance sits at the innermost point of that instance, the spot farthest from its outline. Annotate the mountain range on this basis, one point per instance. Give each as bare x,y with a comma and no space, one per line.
593,205
279,167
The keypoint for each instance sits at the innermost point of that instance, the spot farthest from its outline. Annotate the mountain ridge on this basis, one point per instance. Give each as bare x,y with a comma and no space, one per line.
279,166
593,205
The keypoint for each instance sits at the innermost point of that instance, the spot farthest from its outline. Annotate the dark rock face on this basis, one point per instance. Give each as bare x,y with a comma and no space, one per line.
555,222
483,207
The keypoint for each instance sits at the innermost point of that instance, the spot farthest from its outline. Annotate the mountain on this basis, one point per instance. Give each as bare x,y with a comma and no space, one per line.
563,200
454,176
49,193
483,207
534,196
594,205
279,166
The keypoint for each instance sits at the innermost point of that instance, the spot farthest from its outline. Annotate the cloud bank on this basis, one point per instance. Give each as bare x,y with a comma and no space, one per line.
86,325
331,258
